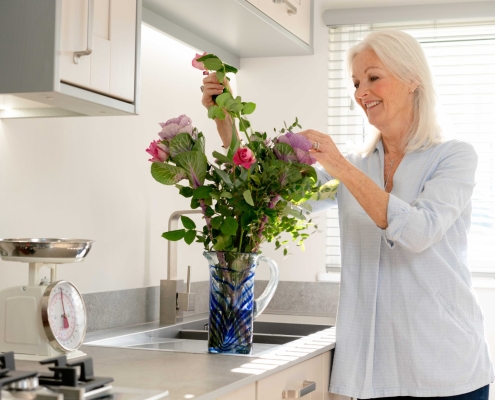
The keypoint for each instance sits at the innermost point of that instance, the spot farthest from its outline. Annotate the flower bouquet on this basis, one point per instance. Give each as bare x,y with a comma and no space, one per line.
254,192
248,196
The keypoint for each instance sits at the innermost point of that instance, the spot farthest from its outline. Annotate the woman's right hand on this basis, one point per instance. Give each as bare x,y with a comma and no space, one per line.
211,88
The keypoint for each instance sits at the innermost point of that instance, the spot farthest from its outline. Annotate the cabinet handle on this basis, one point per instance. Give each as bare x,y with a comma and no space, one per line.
308,387
291,8
89,49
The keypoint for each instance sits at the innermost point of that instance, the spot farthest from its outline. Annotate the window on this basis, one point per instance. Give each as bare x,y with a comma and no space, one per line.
462,57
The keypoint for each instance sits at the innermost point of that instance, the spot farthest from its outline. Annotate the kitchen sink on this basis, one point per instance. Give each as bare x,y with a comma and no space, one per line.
191,337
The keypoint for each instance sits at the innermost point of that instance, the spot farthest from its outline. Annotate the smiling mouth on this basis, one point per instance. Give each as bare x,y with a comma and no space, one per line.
372,104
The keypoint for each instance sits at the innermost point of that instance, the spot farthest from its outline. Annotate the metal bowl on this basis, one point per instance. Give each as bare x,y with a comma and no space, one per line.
55,251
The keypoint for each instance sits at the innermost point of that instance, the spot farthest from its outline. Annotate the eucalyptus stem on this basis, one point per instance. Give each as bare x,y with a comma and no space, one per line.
207,219
272,203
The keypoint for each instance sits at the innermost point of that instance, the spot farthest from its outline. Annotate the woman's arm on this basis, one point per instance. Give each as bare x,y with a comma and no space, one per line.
211,87
369,195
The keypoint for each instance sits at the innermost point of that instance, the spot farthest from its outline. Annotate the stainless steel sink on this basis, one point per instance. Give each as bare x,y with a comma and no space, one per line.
191,337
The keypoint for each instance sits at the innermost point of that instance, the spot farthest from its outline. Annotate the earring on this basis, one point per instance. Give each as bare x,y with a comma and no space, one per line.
411,90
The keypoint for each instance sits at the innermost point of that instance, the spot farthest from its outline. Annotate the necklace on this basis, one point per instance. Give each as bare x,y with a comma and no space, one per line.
390,170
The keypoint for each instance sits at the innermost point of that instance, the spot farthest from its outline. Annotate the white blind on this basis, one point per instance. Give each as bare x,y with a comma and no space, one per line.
462,57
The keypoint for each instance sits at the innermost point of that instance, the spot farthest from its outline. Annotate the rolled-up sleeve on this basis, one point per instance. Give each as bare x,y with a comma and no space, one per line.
445,196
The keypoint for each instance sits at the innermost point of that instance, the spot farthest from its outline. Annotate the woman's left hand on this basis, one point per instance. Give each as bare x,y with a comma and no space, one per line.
328,155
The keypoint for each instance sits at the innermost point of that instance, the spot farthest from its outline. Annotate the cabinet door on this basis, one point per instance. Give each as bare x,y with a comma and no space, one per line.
293,378
248,392
110,68
299,24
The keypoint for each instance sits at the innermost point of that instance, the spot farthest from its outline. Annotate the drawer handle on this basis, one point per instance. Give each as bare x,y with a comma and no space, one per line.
89,48
308,387
291,8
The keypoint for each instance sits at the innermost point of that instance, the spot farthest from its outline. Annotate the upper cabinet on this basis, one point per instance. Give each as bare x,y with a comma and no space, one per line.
235,29
293,15
69,57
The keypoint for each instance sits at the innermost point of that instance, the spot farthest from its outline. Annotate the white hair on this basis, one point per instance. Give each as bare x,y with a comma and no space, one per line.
403,57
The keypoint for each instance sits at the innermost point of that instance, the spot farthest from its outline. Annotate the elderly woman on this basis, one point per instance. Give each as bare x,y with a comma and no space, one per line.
408,321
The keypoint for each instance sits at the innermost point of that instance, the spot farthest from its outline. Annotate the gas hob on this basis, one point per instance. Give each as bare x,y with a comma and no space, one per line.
73,380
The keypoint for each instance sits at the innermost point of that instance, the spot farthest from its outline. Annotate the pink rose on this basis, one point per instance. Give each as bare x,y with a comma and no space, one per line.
158,151
174,126
244,156
197,64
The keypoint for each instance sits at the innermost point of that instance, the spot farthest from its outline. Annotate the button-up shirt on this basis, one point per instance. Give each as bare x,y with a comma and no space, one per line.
408,321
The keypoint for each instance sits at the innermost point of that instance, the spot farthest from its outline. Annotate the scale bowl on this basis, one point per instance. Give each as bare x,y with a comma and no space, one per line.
49,251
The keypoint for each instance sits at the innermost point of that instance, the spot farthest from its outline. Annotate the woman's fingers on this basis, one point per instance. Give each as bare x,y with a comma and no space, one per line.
211,87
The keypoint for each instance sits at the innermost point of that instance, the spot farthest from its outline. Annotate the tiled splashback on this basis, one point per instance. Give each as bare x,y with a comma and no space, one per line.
114,309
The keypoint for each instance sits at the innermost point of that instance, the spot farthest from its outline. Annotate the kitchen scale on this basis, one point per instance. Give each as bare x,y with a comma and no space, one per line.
46,318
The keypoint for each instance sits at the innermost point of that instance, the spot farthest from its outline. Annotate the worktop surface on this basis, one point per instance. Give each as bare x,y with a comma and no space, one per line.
201,376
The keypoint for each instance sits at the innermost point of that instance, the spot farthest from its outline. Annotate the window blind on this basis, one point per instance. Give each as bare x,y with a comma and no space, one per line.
462,58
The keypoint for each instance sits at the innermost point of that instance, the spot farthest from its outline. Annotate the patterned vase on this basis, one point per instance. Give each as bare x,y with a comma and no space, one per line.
233,307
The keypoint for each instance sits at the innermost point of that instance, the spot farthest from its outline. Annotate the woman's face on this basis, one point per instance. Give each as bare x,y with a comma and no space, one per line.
387,101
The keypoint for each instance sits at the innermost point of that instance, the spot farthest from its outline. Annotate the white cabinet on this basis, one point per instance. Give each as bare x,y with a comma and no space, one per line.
109,69
41,77
247,392
314,370
293,15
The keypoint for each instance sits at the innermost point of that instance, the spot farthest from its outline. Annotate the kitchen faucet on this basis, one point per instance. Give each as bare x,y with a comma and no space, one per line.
173,299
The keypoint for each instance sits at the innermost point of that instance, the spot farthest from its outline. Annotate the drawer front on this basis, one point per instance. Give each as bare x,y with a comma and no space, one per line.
247,392
312,370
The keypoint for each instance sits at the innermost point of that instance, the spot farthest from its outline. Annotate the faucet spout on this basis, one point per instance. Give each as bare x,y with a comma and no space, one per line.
174,300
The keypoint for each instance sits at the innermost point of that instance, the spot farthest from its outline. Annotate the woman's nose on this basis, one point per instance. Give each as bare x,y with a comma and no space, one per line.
361,92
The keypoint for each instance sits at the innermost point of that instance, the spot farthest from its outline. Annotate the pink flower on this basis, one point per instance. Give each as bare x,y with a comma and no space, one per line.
158,151
174,126
244,156
300,145
197,64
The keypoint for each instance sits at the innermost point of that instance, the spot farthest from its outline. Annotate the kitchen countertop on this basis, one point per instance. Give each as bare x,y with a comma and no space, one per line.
201,376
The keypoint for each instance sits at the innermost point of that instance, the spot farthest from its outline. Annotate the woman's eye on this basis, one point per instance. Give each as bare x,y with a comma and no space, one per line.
356,85
373,78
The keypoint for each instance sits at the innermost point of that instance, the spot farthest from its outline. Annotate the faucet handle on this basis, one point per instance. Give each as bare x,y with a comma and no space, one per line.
186,301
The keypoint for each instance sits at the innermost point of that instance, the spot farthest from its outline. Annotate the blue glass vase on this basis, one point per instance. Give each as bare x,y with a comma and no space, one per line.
233,307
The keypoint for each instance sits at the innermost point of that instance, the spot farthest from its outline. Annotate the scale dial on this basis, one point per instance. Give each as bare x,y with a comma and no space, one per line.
63,314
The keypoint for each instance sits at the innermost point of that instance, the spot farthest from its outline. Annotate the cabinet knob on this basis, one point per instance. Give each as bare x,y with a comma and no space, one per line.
308,387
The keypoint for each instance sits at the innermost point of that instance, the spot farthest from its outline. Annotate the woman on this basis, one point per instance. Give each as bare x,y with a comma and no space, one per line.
408,321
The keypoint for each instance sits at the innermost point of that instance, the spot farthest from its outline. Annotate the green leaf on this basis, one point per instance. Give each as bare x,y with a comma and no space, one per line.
223,175
202,192
226,195
230,68
167,174
194,204
220,77
200,143
229,226
211,112
209,212
181,143
190,236
213,64
222,158
174,235
216,222
222,98
248,108
186,191
236,107
195,164
247,196
284,149
222,242
219,114
187,222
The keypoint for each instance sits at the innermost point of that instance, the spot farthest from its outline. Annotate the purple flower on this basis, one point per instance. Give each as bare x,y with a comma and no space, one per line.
174,126
300,145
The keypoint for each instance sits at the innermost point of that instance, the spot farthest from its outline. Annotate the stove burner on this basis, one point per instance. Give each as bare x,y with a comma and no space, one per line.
69,381
12,379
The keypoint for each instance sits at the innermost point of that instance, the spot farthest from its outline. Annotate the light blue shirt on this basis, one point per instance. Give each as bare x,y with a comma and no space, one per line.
408,321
